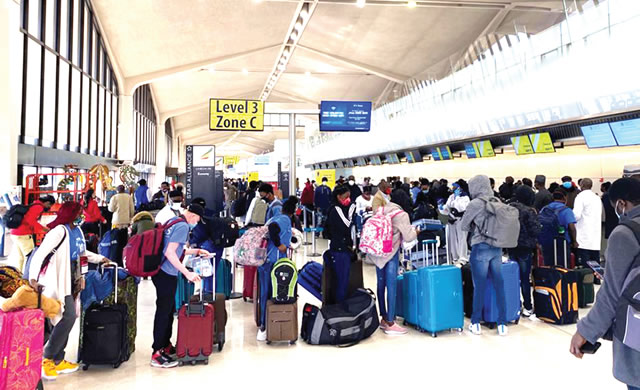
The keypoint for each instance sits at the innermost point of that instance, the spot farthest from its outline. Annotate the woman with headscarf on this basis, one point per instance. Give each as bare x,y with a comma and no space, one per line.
62,279
455,207
527,241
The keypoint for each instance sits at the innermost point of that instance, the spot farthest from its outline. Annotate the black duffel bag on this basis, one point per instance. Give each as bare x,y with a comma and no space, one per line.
344,324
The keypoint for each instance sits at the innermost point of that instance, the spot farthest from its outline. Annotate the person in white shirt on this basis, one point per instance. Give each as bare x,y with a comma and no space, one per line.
364,202
588,212
172,209
455,207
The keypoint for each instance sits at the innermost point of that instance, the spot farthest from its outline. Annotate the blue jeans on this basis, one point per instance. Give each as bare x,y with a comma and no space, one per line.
523,256
484,259
633,388
340,262
388,279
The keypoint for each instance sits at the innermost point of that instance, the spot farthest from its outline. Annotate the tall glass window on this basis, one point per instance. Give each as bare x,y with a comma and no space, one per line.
144,119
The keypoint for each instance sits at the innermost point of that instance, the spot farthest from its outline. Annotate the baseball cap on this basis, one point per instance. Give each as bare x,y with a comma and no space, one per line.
196,209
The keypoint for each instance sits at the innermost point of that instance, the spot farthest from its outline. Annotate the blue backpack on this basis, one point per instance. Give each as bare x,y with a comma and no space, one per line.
550,220
108,242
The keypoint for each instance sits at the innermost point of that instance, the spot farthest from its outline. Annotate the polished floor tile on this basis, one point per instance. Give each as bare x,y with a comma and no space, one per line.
533,356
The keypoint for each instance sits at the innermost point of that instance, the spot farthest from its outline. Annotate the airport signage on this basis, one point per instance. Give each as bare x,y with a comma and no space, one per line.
236,115
345,116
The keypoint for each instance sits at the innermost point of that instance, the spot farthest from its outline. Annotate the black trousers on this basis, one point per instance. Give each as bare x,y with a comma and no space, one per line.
166,286
585,255
122,236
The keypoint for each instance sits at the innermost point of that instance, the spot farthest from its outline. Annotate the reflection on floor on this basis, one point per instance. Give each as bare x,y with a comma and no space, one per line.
534,356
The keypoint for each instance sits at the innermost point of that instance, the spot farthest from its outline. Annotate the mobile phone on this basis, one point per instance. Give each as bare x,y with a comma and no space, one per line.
589,348
595,266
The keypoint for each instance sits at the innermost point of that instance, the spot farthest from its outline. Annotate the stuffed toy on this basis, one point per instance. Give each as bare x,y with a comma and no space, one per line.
27,297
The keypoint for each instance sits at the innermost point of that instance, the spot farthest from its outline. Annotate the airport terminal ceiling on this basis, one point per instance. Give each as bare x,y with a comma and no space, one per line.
341,51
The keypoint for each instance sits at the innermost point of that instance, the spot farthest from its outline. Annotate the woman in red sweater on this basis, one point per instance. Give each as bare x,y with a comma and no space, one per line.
92,215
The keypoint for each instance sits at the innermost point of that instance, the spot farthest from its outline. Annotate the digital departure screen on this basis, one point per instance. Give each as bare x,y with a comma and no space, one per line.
375,160
392,158
626,132
445,152
350,163
361,162
413,156
598,136
471,150
542,143
486,149
435,154
345,116
522,145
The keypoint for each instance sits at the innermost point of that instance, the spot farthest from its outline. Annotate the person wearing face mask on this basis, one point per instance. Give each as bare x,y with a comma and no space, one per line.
275,205
570,190
424,206
415,190
340,230
163,194
172,209
623,262
22,236
364,203
61,279
565,229
322,200
588,211
455,207
382,197
166,282
354,189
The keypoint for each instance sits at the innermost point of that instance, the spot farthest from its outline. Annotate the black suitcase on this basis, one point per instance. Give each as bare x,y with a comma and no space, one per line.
467,290
329,281
105,339
586,290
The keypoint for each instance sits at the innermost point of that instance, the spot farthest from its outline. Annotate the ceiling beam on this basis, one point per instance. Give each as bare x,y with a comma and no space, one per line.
226,138
398,78
131,83
383,94
196,107
294,97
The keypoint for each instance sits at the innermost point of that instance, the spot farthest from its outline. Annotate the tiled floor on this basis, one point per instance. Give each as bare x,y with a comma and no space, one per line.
534,356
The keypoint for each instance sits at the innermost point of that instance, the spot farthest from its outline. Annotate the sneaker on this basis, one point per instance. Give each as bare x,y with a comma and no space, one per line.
169,350
503,330
49,370
160,360
383,324
65,367
475,329
395,329
527,313
262,335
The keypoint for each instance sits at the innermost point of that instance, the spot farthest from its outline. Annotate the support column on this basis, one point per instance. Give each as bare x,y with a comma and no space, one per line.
161,152
292,154
10,98
126,131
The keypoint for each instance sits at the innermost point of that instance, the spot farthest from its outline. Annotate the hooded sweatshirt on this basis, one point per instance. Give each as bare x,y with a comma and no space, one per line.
480,192
402,232
529,225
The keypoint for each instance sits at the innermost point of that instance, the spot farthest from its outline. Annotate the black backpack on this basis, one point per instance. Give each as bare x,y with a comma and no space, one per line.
239,206
223,231
15,215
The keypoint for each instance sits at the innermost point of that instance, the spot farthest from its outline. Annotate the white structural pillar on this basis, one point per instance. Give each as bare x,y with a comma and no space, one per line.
10,99
161,152
126,131
292,154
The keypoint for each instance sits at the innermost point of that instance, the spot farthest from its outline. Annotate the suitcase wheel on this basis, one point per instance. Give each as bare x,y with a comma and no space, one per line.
193,362
268,342
293,342
517,321
220,346
434,334
459,330
116,365
85,367
206,362
404,322
244,299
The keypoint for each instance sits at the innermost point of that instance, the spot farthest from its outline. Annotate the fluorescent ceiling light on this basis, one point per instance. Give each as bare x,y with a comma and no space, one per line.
298,27
304,14
412,4
307,73
294,36
361,3
245,71
281,67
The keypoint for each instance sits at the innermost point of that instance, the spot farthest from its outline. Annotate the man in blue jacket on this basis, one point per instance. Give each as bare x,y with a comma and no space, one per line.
322,200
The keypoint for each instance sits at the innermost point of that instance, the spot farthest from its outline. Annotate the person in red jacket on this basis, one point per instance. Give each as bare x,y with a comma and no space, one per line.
22,236
306,199
92,215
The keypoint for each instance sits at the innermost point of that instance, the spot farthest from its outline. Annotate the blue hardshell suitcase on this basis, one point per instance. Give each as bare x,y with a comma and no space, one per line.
410,299
511,276
399,297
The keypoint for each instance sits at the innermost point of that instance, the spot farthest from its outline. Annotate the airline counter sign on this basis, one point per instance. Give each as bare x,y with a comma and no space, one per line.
236,115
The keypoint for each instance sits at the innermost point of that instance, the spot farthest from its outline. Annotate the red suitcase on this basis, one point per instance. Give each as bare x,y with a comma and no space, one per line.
21,345
247,286
195,332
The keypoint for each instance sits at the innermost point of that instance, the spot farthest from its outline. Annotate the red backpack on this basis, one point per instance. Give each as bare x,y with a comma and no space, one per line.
143,255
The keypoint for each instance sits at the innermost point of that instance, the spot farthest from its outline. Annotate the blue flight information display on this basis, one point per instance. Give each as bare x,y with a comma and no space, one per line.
472,150
598,136
626,132
345,116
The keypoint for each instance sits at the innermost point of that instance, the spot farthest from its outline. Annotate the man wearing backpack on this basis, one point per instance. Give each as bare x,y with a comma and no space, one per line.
166,282
613,308
558,226
22,235
487,241
275,205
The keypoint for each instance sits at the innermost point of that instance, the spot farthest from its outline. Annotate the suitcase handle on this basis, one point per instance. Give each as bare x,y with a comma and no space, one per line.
113,265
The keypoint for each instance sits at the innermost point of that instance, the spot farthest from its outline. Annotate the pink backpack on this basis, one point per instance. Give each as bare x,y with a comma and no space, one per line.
377,234
251,248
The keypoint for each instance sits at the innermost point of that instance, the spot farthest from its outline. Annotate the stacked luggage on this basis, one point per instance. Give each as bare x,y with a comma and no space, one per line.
432,295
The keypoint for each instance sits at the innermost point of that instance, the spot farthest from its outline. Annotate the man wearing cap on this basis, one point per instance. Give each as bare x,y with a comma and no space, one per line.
166,282
543,196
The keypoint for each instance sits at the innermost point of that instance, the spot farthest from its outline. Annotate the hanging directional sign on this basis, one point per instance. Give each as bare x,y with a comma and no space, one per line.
236,115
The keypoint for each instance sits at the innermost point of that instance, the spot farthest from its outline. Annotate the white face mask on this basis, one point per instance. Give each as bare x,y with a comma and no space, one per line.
619,215
175,206
351,182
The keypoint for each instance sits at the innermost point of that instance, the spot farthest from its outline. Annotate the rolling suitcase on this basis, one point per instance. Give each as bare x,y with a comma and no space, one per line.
586,290
256,299
22,341
329,280
220,316
310,278
195,331
249,274
399,297
104,332
223,278
555,294
183,291
467,290
440,305
410,297
282,322
128,295
511,276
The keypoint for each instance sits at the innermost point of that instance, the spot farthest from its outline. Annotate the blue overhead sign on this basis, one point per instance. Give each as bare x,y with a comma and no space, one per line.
626,132
345,116
598,135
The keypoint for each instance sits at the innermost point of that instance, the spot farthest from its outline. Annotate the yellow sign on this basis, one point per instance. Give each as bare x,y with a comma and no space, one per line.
542,143
486,149
231,160
253,176
330,174
236,115
522,145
